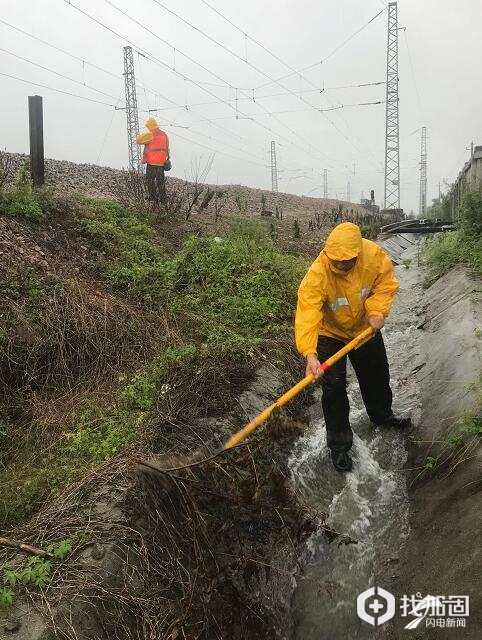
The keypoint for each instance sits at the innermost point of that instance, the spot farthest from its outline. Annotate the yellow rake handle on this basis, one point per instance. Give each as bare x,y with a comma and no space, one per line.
291,393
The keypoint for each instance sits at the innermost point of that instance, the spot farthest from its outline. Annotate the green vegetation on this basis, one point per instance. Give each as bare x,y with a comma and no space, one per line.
24,200
100,433
230,294
226,297
130,259
458,445
237,293
462,247
370,230
461,440
35,572
21,287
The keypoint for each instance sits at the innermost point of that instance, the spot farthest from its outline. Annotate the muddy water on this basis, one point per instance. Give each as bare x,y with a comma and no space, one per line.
370,504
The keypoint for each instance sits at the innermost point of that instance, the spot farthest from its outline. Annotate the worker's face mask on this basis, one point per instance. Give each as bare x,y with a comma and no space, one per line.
342,267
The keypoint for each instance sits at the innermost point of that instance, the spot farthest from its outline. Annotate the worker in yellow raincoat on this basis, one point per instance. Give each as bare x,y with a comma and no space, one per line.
349,287
156,157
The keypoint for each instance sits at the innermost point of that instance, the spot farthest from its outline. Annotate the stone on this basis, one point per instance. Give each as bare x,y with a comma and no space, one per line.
98,551
11,626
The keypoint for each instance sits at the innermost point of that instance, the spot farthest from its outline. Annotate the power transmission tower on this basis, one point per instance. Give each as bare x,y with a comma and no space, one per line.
392,149
348,192
325,183
274,167
423,175
131,110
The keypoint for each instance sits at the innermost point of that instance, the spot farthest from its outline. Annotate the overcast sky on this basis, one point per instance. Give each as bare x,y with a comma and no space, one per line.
230,97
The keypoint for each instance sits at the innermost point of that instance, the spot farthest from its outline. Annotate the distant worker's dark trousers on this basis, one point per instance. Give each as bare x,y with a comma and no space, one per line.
371,368
156,185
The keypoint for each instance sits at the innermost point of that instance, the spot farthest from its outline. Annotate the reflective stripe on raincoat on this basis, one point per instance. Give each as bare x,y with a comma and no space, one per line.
335,304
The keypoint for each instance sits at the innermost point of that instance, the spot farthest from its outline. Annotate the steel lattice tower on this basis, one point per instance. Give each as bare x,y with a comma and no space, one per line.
274,168
423,175
348,192
392,149
325,184
131,110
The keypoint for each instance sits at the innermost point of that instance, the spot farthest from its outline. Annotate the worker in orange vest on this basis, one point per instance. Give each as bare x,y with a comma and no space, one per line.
156,157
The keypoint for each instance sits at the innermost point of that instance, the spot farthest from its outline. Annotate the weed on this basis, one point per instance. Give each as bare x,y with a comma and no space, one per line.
24,200
101,434
22,286
458,445
36,572
430,463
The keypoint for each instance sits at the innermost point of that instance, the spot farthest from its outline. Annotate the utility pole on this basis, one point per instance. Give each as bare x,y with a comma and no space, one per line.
422,211
274,168
131,111
392,148
36,127
325,184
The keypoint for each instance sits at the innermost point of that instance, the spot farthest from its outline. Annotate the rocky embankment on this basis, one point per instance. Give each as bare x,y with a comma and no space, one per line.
102,182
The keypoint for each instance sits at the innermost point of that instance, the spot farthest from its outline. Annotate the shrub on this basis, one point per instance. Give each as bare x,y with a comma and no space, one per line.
464,246
471,212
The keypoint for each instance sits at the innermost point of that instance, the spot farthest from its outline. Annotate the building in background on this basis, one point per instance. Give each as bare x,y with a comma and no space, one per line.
470,175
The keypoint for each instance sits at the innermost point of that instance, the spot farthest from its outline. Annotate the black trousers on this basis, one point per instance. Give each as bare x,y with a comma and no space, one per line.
371,368
156,185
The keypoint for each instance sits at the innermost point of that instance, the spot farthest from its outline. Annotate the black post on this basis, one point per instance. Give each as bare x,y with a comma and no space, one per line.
35,116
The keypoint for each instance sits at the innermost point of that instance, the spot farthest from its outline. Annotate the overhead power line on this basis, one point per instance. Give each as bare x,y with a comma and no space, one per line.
272,95
187,78
274,55
60,75
52,46
214,74
159,62
113,106
67,93
332,53
84,61
260,71
272,113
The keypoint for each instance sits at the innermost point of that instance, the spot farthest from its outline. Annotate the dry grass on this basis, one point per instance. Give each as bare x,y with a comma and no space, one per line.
75,332
191,556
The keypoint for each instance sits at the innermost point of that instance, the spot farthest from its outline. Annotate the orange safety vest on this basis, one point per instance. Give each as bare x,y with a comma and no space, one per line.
157,150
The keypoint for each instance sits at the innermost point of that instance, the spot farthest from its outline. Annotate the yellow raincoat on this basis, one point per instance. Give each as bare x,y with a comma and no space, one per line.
335,304
144,138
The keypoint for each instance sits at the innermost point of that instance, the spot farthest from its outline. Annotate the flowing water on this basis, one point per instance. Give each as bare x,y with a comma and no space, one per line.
370,504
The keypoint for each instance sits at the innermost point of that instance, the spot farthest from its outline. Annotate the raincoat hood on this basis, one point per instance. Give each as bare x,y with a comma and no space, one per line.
151,124
344,242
